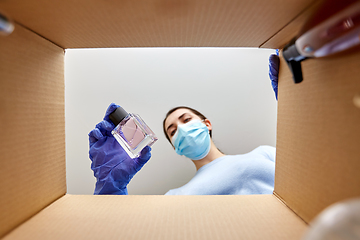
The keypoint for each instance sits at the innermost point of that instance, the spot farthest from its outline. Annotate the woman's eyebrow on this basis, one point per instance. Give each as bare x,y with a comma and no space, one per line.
171,125
182,115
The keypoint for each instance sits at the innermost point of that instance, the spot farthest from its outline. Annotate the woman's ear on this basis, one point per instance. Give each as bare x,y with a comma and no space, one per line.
208,124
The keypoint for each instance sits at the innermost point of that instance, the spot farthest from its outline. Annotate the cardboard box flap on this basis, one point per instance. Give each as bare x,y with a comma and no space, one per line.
285,35
155,23
32,126
163,217
318,134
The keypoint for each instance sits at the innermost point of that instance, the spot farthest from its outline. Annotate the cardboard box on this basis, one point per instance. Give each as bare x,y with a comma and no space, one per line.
318,132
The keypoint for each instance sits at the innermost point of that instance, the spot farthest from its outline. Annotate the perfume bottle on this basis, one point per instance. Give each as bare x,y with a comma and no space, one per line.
131,132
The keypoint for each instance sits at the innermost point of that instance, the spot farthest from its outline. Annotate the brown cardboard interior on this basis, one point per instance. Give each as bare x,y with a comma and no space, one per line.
319,134
292,29
317,139
155,23
163,217
32,126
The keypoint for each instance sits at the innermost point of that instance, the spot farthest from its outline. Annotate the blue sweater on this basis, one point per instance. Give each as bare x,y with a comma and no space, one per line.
250,173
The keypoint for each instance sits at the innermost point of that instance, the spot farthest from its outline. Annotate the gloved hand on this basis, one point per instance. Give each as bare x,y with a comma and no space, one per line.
274,63
112,167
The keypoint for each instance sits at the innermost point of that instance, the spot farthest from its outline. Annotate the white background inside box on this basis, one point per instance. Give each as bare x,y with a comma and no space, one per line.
230,86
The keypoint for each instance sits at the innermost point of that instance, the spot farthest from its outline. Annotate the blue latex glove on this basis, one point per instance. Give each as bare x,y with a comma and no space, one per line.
274,63
112,167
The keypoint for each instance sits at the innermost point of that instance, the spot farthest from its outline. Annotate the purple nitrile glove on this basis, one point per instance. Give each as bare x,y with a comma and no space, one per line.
113,168
274,63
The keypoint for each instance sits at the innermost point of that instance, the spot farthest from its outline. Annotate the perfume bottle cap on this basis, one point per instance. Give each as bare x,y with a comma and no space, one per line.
118,115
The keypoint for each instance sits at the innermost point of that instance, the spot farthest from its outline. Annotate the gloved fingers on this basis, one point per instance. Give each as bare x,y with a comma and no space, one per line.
94,136
274,85
105,127
276,91
145,155
109,110
274,67
274,62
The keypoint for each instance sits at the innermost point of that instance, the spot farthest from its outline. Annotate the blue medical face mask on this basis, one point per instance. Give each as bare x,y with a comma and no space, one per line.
192,140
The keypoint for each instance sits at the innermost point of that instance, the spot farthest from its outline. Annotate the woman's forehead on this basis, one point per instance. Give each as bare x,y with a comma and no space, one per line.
176,114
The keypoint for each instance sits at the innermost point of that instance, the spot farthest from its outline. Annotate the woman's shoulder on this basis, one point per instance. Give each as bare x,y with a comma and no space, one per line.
265,148
266,151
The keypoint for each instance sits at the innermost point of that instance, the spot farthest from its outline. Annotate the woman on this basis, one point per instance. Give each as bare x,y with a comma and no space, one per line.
189,131
190,134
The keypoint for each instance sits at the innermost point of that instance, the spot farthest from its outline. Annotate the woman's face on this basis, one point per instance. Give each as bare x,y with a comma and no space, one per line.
180,116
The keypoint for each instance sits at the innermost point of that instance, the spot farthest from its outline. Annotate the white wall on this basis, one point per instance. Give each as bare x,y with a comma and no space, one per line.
230,86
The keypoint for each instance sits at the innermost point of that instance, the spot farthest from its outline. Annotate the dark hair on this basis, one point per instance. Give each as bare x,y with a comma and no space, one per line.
176,108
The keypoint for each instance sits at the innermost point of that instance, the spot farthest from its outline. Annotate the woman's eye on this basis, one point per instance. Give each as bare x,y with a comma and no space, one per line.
187,119
172,133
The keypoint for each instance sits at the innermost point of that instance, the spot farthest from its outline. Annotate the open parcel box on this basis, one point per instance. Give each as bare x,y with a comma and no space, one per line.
318,132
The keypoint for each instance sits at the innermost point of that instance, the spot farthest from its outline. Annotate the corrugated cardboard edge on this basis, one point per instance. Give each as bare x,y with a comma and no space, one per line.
153,23
280,199
291,29
31,217
163,217
33,126
29,29
318,134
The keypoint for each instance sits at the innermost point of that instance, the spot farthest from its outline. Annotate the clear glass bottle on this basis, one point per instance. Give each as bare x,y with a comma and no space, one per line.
131,132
